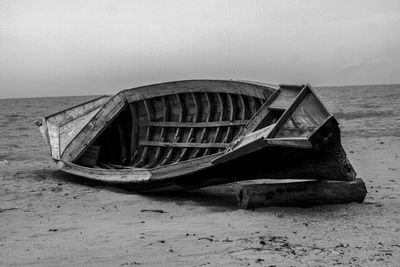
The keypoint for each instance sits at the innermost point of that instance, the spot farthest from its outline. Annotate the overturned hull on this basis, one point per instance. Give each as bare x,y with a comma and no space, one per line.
190,134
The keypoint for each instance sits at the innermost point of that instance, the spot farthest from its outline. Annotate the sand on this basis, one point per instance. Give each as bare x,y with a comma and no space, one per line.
48,218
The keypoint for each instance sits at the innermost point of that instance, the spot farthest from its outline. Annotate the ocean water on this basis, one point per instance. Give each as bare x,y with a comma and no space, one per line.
362,111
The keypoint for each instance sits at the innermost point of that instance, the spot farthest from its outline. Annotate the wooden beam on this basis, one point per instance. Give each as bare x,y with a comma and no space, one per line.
177,132
221,117
289,111
254,121
183,145
134,132
150,116
72,113
208,118
94,128
260,115
244,109
300,193
173,124
198,86
290,142
162,134
182,168
195,119
232,113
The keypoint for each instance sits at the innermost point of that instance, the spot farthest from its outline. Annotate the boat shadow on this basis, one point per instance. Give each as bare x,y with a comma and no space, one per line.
216,198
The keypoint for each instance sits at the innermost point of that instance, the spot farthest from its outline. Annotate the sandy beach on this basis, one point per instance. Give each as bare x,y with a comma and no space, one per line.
48,218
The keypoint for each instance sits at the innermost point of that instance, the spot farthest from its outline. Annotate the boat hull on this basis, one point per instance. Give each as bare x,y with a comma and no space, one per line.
191,134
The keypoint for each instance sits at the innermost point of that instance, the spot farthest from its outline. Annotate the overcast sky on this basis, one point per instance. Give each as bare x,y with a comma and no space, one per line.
50,48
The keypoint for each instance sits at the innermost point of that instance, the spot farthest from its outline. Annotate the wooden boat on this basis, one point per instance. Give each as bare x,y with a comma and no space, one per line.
189,134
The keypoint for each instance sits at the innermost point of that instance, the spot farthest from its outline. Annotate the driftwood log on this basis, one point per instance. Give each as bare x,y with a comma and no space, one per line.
301,193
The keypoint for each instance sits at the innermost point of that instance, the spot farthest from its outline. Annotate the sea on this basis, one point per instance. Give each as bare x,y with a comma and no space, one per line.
362,112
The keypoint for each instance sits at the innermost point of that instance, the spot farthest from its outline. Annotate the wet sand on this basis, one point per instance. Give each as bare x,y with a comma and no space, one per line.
48,218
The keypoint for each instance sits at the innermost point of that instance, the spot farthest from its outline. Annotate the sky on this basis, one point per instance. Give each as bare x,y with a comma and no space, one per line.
58,48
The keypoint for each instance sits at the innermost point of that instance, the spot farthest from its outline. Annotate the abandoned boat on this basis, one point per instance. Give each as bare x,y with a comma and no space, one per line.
190,134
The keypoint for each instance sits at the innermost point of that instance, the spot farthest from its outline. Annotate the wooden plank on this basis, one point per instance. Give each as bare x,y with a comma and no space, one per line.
319,99
221,117
289,111
285,98
252,105
206,124
184,167
260,115
71,113
117,176
96,125
258,140
208,118
134,132
232,114
301,193
150,116
162,134
244,108
193,86
170,151
290,142
69,130
307,113
54,138
183,145
259,135
253,122
195,119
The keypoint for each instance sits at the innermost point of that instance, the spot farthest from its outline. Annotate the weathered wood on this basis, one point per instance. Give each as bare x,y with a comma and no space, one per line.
117,176
210,124
244,114
208,118
252,106
150,116
193,86
178,140
96,125
72,113
300,193
182,168
298,142
289,111
248,144
253,123
221,117
305,118
258,116
54,137
156,157
134,131
183,145
285,98
191,131
170,150
232,113
70,129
